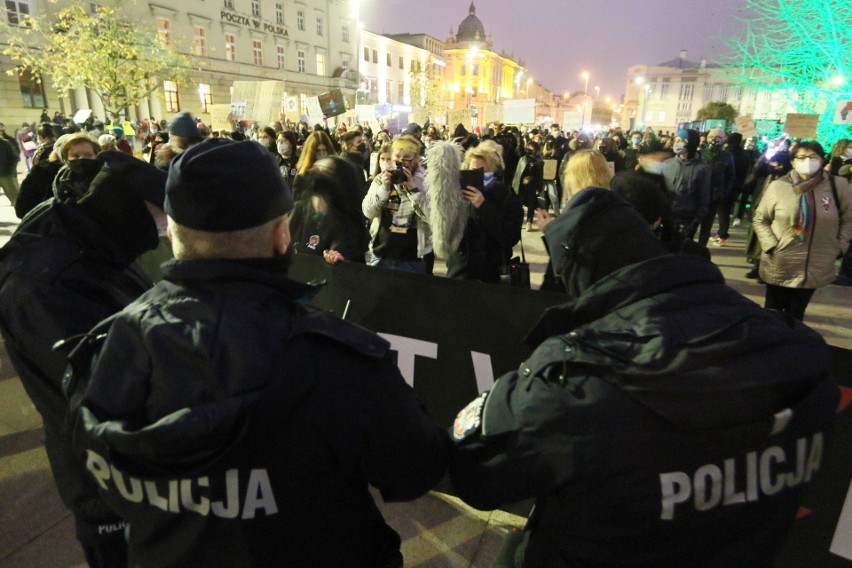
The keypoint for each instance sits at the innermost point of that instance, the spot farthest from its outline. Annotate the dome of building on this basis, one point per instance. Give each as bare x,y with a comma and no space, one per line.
471,28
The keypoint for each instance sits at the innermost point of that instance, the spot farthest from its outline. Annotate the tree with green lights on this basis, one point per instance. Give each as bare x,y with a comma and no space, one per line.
122,61
802,48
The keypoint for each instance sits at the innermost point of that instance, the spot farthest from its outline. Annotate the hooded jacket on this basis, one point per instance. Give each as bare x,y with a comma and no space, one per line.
809,262
60,274
231,428
662,421
689,182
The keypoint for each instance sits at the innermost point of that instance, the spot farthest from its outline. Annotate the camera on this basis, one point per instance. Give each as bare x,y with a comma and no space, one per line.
398,175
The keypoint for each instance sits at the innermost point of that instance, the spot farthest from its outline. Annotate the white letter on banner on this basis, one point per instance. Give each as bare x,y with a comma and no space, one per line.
841,544
483,371
409,348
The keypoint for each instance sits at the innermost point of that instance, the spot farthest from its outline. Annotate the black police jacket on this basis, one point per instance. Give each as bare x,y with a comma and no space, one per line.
59,276
663,420
230,427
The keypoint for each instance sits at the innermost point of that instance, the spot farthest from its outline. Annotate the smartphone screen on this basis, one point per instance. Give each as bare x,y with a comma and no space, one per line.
474,178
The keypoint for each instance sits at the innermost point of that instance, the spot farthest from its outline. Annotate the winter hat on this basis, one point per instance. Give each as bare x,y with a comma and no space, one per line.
182,124
119,131
735,140
413,128
597,234
716,132
104,139
222,186
116,201
692,138
683,134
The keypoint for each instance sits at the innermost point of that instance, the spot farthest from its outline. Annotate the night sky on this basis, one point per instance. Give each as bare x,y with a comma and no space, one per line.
557,39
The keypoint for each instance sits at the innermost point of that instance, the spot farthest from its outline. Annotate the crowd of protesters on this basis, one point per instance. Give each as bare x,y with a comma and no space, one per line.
165,388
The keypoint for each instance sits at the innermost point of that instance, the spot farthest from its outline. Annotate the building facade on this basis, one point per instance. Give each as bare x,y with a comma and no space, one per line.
671,93
309,44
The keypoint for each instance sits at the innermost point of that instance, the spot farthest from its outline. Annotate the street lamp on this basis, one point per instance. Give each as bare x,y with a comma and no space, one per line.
585,77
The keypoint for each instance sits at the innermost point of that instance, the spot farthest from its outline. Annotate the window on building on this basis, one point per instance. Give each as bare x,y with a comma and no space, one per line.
170,91
375,56
199,42
751,94
723,92
205,95
686,91
255,8
462,69
32,91
321,64
320,27
229,4
389,59
257,52
661,116
164,32
280,52
475,68
16,12
344,32
389,91
345,64
300,20
279,13
401,62
401,92
300,60
230,47
664,91
708,92
367,54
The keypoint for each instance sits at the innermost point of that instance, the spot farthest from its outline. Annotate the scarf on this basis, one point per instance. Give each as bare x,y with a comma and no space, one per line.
805,217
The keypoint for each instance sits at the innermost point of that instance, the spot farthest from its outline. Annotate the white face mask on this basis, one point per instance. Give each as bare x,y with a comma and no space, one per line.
653,167
807,168
849,152
283,149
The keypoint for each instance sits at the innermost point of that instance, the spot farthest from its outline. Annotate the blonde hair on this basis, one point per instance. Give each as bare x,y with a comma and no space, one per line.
192,244
585,168
839,147
309,150
489,152
406,143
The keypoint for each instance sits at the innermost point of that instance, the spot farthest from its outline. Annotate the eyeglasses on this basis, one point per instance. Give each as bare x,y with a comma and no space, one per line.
811,157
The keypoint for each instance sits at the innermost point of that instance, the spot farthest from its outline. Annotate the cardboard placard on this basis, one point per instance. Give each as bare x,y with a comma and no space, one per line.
492,113
314,111
521,111
745,126
801,125
219,117
332,103
82,115
459,116
843,113
365,113
263,100
550,169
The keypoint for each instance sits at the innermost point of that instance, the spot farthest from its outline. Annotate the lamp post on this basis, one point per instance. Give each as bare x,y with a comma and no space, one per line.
585,76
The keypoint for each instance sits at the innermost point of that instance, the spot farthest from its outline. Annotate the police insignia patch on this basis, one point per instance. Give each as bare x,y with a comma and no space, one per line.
468,420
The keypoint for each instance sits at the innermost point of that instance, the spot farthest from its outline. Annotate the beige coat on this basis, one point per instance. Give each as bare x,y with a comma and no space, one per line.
807,263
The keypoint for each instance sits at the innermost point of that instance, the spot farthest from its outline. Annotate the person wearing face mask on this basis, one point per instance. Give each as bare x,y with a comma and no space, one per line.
353,149
631,153
687,177
529,180
79,153
70,264
766,170
317,145
841,165
493,219
625,408
288,156
722,179
804,223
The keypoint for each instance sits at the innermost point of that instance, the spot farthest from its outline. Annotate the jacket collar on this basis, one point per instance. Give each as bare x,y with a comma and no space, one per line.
623,287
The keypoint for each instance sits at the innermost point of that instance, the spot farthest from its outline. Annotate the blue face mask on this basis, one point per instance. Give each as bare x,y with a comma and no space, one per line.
488,177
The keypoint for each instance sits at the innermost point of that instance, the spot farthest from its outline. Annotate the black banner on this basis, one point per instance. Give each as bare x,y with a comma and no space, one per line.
454,338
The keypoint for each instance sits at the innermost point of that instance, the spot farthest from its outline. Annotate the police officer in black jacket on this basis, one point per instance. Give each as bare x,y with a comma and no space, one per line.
663,419
227,424
69,265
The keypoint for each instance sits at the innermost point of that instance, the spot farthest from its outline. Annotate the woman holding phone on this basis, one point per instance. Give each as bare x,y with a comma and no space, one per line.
494,222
